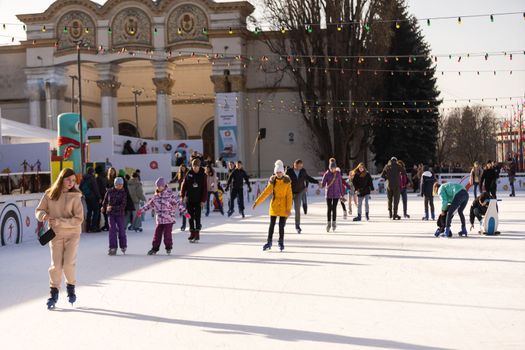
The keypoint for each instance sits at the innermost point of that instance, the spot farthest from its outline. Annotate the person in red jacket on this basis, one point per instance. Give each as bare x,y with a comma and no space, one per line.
194,193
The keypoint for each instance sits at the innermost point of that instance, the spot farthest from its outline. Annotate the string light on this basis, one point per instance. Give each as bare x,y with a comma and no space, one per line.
44,29
205,31
230,31
459,20
398,25
492,18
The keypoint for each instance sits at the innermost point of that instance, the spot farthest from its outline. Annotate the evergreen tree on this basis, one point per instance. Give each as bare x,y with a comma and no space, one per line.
410,131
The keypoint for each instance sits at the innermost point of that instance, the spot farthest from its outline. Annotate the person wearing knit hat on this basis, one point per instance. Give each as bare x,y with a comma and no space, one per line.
194,192
280,187
165,203
114,205
392,172
333,182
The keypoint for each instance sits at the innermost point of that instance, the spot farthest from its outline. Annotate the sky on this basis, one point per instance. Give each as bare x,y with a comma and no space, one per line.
473,35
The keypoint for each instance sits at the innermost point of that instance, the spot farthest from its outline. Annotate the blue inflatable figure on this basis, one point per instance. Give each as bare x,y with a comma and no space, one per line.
69,138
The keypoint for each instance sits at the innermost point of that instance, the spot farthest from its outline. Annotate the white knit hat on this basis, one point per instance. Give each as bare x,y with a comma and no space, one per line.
279,167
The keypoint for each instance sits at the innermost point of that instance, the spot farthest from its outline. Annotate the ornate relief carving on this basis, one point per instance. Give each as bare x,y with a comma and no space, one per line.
163,85
187,22
73,26
108,87
131,26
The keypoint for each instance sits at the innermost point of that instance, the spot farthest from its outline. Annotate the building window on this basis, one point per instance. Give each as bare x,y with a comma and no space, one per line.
179,132
127,129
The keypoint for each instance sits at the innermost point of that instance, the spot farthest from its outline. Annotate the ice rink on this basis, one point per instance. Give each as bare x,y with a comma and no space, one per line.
369,285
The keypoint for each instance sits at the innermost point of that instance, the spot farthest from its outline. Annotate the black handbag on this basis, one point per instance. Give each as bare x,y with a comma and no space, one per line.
46,237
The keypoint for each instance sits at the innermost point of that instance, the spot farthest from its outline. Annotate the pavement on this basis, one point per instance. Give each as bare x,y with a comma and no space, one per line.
370,285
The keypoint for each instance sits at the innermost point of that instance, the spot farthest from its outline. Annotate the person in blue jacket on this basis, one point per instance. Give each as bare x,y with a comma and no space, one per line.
453,197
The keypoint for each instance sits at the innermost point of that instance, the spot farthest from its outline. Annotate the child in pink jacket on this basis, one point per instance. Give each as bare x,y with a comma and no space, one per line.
165,203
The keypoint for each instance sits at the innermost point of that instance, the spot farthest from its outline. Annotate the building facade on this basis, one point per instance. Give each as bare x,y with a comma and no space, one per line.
181,60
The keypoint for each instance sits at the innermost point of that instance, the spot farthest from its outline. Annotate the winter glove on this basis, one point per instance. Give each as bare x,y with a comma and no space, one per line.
139,213
187,215
249,189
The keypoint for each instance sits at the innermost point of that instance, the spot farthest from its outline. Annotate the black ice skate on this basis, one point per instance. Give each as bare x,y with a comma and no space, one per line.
71,296
51,302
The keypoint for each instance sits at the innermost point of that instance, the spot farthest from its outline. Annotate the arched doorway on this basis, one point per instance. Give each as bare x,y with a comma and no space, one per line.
208,139
179,132
127,129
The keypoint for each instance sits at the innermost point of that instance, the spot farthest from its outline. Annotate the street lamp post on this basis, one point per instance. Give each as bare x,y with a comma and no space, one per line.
259,102
79,44
73,78
137,93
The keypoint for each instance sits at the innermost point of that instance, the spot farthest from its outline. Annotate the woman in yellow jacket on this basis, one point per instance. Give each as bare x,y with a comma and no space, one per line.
61,207
280,186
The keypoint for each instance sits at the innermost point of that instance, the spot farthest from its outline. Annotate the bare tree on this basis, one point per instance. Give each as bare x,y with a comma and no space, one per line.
314,39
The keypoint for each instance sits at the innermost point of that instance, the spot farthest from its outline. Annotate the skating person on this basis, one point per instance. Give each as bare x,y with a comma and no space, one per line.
280,187
363,185
194,193
346,188
453,197
478,209
333,184
300,180
392,173
165,203
236,179
213,189
179,178
511,171
426,188
489,179
102,184
110,180
61,207
403,186
114,205
89,189
136,193
475,177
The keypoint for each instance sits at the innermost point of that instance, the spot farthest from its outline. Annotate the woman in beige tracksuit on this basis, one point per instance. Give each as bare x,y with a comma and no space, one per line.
61,207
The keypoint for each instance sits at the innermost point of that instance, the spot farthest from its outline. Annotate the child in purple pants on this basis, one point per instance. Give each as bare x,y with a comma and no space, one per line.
165,203
114,205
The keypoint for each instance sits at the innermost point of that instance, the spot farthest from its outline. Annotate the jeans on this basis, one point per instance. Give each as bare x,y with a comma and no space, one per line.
93,214
305,202
117,227
282,223
136,223
163,230
476,185
360,200
511,182
393,196
297,199
331,213
404,198
429,201
216,196
239,194
458,203
194,209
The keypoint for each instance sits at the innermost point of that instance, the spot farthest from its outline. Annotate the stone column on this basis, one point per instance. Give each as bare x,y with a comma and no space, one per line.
163,84
108,85
35,92
54,93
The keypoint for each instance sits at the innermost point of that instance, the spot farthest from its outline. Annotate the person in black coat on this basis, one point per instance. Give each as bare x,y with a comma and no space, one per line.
478,209
194,192
300,180
511,171
127,148
363,186
236,180
489,178
102,183
89,189
426,185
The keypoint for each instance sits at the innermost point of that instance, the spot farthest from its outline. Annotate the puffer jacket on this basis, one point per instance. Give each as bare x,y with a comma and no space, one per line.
115,201
336,189
427,184
212,182
136,192
166,204
363,183
281,190
447,192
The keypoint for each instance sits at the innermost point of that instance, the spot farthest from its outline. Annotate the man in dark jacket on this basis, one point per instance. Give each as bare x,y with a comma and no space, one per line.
478,209
236,179
511,171
89,188
489,178
102,183
392,173
426,187
300,180
194,192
